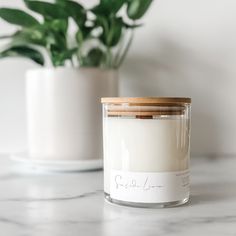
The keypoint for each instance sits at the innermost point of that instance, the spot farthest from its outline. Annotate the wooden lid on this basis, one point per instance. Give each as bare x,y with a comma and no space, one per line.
145,111
147,101
144,114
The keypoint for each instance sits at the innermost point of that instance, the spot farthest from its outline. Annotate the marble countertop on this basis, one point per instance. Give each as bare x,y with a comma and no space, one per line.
72,204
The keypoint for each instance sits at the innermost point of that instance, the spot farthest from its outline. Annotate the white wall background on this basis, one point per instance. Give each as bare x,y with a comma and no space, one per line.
186,48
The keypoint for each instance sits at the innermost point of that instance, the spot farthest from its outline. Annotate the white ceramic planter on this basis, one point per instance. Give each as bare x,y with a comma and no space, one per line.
64,112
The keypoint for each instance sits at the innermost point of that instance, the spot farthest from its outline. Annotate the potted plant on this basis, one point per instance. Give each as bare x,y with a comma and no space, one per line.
80,51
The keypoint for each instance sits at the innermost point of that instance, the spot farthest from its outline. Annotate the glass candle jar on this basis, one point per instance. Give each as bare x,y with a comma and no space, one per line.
146,151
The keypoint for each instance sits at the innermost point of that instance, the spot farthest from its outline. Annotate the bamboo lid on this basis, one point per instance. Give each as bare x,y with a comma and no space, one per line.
144,114
146,108
147,101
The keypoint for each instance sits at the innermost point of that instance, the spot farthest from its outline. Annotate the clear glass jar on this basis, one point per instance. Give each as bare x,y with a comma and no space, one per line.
146,151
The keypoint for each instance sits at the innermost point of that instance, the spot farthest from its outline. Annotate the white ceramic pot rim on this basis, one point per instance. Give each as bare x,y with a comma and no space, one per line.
62,68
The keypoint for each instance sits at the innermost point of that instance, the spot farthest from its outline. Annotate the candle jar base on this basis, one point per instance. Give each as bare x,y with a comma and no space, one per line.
146,205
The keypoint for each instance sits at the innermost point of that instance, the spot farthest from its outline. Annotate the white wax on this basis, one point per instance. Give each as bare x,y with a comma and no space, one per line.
145,145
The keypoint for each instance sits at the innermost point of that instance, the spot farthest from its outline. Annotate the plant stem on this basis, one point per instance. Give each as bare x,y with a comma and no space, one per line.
126,50
72,63
49,53
79,56
119,51
109,57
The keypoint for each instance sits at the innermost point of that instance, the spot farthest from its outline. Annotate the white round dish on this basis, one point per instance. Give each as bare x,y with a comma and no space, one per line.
57,165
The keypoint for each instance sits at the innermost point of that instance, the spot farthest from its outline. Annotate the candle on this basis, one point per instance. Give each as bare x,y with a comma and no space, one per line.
146,150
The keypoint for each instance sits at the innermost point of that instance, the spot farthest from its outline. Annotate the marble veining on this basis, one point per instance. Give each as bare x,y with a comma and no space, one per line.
87,194
58,204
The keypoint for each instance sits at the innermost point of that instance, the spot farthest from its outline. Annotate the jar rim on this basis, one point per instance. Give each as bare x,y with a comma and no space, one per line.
144,101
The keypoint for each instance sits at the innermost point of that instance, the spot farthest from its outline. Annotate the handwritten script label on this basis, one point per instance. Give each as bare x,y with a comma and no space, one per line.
149,187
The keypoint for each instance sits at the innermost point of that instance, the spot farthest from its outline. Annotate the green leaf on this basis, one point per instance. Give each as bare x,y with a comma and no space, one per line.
94,58
131,26
23,51
83,34
28,36
52,32
115,33
46,9
58,25
74,10
107,7
137,8
60,1
79,37
17,17
112,31
59,57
